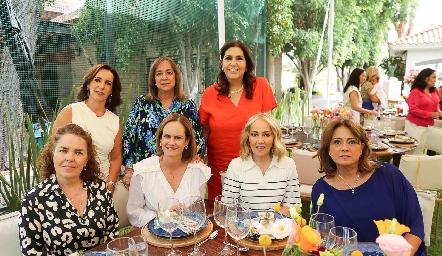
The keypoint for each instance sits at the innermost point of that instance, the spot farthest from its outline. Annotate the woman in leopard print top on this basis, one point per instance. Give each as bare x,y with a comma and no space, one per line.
71,209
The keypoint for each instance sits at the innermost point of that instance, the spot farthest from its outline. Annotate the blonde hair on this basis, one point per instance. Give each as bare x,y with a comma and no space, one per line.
371,71
278,147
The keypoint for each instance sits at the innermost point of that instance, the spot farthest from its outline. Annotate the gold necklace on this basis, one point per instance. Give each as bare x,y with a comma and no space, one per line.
354,186
233,92
71,199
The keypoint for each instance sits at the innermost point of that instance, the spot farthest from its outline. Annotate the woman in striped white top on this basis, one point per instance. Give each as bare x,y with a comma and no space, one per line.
262,175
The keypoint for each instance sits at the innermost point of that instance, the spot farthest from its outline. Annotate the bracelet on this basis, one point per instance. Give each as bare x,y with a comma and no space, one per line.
112,183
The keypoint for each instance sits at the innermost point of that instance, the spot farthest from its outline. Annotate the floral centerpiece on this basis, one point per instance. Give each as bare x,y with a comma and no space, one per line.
322,116
302,239
390,238
409,78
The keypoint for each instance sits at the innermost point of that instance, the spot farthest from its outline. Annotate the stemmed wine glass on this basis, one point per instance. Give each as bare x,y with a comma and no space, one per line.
169,217
307,129
238,222
322,223
285,125
219,214
342,238
120,246
194,216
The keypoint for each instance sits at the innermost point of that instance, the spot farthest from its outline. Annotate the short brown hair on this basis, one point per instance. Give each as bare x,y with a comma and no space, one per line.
278,148
153,89
45,162
83,92
327,164
190,152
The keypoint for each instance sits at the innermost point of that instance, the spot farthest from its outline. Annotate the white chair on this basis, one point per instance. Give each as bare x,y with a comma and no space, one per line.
423,172
9,241
433,139
120,198
307,169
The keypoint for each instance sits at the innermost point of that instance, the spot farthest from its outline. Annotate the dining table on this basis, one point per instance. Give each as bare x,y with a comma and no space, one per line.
211,246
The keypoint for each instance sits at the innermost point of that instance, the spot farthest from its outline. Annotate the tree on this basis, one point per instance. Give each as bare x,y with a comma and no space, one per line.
402,13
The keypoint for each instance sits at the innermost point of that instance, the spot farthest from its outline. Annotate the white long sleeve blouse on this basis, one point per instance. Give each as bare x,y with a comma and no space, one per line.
149,186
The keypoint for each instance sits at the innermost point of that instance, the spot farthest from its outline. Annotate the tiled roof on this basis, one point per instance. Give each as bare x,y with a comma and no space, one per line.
426,37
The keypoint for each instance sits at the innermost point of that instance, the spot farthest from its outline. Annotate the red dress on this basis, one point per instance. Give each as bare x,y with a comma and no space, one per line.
226,123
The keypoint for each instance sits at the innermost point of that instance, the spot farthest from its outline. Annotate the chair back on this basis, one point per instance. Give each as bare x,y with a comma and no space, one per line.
433,139
422,171
9,241
306,167
120,198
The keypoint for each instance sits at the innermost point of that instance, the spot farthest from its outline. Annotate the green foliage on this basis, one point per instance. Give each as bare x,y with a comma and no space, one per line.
394,66
289,108
22,164
279,25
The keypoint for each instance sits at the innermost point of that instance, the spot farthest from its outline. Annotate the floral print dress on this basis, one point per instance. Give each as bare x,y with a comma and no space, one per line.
142,124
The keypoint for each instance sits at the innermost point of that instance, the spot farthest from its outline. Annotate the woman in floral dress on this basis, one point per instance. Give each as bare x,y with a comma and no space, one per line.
165,97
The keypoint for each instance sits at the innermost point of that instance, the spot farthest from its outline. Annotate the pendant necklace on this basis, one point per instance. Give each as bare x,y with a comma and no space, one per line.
354,186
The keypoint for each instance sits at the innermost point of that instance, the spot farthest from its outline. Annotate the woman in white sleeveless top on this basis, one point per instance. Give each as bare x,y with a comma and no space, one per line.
352,97
97,98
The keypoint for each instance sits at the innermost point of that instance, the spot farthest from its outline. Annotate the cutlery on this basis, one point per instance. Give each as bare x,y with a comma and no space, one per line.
211,236
243,249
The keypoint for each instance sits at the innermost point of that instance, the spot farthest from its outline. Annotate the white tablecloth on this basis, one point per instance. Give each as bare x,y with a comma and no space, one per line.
400,122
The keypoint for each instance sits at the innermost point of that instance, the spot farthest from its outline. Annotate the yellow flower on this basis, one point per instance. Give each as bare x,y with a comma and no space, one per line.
265,240
384,226
307,238
277,207
301,221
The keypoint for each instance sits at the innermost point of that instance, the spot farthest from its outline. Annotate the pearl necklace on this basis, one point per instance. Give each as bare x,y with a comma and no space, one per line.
233,92
354,186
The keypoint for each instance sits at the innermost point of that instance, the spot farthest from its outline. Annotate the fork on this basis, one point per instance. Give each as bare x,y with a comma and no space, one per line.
211,236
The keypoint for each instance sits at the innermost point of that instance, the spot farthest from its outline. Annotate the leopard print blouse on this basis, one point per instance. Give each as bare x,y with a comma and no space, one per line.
48,223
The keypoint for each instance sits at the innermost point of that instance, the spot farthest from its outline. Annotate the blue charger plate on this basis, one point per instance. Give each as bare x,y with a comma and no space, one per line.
178,233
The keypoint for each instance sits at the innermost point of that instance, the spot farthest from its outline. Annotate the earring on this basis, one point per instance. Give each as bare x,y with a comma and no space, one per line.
160,144
109,98
245,70
222,68
84,168
88,93
272,150
186,147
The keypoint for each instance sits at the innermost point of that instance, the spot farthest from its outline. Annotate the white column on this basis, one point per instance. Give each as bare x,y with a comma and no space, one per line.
221,24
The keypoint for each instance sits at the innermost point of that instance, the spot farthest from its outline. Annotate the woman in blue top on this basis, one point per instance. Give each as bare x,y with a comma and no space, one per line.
165,97
358,191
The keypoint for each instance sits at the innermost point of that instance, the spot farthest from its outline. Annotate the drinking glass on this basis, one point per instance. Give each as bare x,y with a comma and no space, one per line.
120,247
194,216
342,238
238,223
307,129
139,244
219,213
387,125
169,217
322,223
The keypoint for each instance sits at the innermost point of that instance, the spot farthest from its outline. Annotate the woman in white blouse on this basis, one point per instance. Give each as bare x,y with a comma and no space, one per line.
169,173
263,175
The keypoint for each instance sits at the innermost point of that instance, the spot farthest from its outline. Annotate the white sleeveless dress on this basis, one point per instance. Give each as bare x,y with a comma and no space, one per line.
347,102
103,130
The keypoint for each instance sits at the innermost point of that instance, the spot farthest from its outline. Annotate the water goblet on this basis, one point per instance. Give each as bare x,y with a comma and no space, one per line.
169,217
120,246
342,238
322,223
219,213
307,129
194,216
238,223
139,244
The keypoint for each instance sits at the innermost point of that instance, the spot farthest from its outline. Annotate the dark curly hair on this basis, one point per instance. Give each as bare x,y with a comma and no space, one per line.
153,89
45,162
189,152
83,92
353,79
327,164
249,75
420,83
